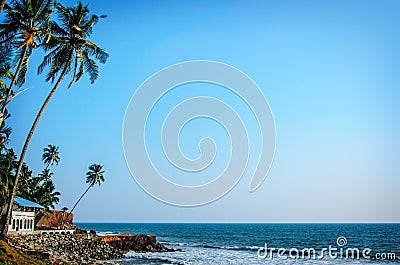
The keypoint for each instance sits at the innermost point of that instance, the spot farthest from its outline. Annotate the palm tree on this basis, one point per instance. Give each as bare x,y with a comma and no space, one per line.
27,24
2,3
47,195
8,162
95,175
5,68
68,50
40,189
5,73
27,184
51,155
45,175
4,134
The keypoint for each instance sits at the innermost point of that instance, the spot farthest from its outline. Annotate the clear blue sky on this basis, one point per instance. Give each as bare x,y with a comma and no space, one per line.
329,69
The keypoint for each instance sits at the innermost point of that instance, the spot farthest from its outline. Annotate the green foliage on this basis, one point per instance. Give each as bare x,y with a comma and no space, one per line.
95,175
69,47
8,164
5,74
51,155
40,188
26,26
5,67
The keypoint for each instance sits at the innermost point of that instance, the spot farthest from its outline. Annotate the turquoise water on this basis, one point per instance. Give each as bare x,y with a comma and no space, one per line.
239,243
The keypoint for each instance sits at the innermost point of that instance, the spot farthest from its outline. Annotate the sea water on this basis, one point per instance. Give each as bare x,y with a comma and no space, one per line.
245,243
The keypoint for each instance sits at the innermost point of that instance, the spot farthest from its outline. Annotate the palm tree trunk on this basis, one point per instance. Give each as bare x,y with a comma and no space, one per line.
80,198
14,80
25,148
2,3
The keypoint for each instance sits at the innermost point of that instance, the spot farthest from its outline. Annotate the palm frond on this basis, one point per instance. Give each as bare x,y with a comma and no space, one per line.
47,59
96,51
91,67
70,32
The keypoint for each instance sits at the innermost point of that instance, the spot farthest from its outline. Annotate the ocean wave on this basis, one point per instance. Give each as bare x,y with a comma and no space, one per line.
106,233
238,248
165,260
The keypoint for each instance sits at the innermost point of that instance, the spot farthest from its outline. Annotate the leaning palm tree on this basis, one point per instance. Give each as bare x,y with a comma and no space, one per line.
50,155
2,3
27,25
69,50
95,175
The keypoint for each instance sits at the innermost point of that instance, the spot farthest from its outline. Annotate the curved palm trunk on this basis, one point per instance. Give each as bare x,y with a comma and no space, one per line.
25,148
14,80
80,198
2,3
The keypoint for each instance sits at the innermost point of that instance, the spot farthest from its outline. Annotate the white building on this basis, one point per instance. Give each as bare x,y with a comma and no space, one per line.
23,216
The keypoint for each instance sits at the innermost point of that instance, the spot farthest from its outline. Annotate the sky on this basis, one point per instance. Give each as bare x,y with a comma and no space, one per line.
329,70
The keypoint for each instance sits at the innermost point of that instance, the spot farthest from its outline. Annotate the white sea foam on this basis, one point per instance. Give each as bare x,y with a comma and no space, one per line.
225,256
107,233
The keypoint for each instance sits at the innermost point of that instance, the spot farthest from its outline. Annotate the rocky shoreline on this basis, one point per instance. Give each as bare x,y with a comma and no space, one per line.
85,249
138,243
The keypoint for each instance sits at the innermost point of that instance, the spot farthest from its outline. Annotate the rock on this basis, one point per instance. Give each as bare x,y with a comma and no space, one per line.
80,231
138,243
46,219
161,248
72,249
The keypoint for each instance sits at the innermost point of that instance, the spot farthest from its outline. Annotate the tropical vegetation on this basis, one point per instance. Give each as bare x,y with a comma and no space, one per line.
63,33
40,188
94,176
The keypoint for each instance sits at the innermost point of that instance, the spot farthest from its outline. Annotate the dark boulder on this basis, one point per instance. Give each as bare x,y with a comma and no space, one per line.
139,243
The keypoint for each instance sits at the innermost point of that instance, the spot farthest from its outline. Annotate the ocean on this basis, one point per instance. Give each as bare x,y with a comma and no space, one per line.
246,243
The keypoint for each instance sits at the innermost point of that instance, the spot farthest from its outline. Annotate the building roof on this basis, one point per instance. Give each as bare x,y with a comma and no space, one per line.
27,203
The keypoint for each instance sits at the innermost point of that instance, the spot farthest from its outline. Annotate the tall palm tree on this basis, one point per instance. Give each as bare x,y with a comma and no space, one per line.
2,3
51,155
68,50
95,175
27,24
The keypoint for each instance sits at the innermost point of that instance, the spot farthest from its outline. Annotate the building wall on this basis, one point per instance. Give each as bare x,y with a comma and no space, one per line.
22,222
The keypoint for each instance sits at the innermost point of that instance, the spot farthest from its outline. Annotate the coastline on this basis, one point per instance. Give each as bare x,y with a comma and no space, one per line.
66,249
84,248
225,244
